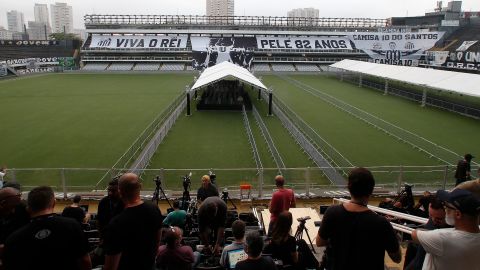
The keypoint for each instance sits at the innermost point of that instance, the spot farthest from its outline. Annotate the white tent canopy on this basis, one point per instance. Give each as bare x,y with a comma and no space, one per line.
226,71
457,82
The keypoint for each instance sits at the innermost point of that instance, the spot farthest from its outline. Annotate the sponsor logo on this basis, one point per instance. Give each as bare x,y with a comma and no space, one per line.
409,46
42,234
104,43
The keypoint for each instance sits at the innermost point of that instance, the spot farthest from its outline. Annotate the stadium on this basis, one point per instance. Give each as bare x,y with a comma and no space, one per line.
244,98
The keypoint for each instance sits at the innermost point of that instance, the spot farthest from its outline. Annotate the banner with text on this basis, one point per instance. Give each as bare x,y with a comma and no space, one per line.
3,69
33,62
28,43
395,48
208,51
307,43
469,60
139,42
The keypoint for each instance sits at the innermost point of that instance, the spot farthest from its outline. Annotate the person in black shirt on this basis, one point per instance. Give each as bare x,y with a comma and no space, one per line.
357,237
212,215
132,237
48,241
255,261
283,246
109,206
74,211
462,173
207,189
13,212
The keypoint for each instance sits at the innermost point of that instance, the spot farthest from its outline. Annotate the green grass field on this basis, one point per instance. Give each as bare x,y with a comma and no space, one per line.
367,146
89,121
79,120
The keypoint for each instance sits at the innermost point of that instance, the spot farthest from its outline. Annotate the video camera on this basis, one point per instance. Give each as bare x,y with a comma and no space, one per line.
303,219
187,181
157,180
213,177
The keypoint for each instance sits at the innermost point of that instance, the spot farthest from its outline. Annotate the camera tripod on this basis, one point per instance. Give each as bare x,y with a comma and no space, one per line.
158,189
299,233
227,198
186,191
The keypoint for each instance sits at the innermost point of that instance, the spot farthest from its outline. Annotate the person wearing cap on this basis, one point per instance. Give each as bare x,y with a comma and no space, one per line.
282,200
462,173
458,247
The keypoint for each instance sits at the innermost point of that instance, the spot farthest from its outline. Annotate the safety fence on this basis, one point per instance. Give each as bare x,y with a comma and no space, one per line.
277,158
156,130
283,113
431,149
251,140
415,96
307,182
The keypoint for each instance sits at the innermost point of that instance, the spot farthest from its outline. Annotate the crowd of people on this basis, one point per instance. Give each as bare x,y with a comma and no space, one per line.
135,235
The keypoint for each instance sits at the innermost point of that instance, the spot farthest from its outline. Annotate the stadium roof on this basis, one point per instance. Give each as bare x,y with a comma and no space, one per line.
226,71
463,83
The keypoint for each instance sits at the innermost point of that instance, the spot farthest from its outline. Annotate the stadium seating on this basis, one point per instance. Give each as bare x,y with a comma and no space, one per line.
283,67
120,66
146,67
307,67
172,67
261,67
324,68
95,66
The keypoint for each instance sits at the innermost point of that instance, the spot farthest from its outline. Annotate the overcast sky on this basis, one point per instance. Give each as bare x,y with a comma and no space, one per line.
328,8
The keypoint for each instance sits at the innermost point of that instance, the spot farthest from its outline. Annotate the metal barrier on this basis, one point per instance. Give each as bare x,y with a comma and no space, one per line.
330,172
268,139
307,182
144,159
251,140
430,148
417,97
143,139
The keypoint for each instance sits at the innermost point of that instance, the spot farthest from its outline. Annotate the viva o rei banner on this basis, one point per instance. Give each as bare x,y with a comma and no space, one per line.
208,51
395,48
138,42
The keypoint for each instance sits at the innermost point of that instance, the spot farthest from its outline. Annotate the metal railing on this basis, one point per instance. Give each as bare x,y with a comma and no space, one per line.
251,140
268,139
307,182
329,151
430,148
417,97
144,159
136,148
259,21
306,144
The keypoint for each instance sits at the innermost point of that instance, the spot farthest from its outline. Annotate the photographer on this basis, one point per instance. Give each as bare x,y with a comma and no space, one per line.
212,216
207,189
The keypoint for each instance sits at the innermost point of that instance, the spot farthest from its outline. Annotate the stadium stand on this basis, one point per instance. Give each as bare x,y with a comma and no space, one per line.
283,67
307,68
28,49
95,66
120,66
146,67
172,67
261,67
